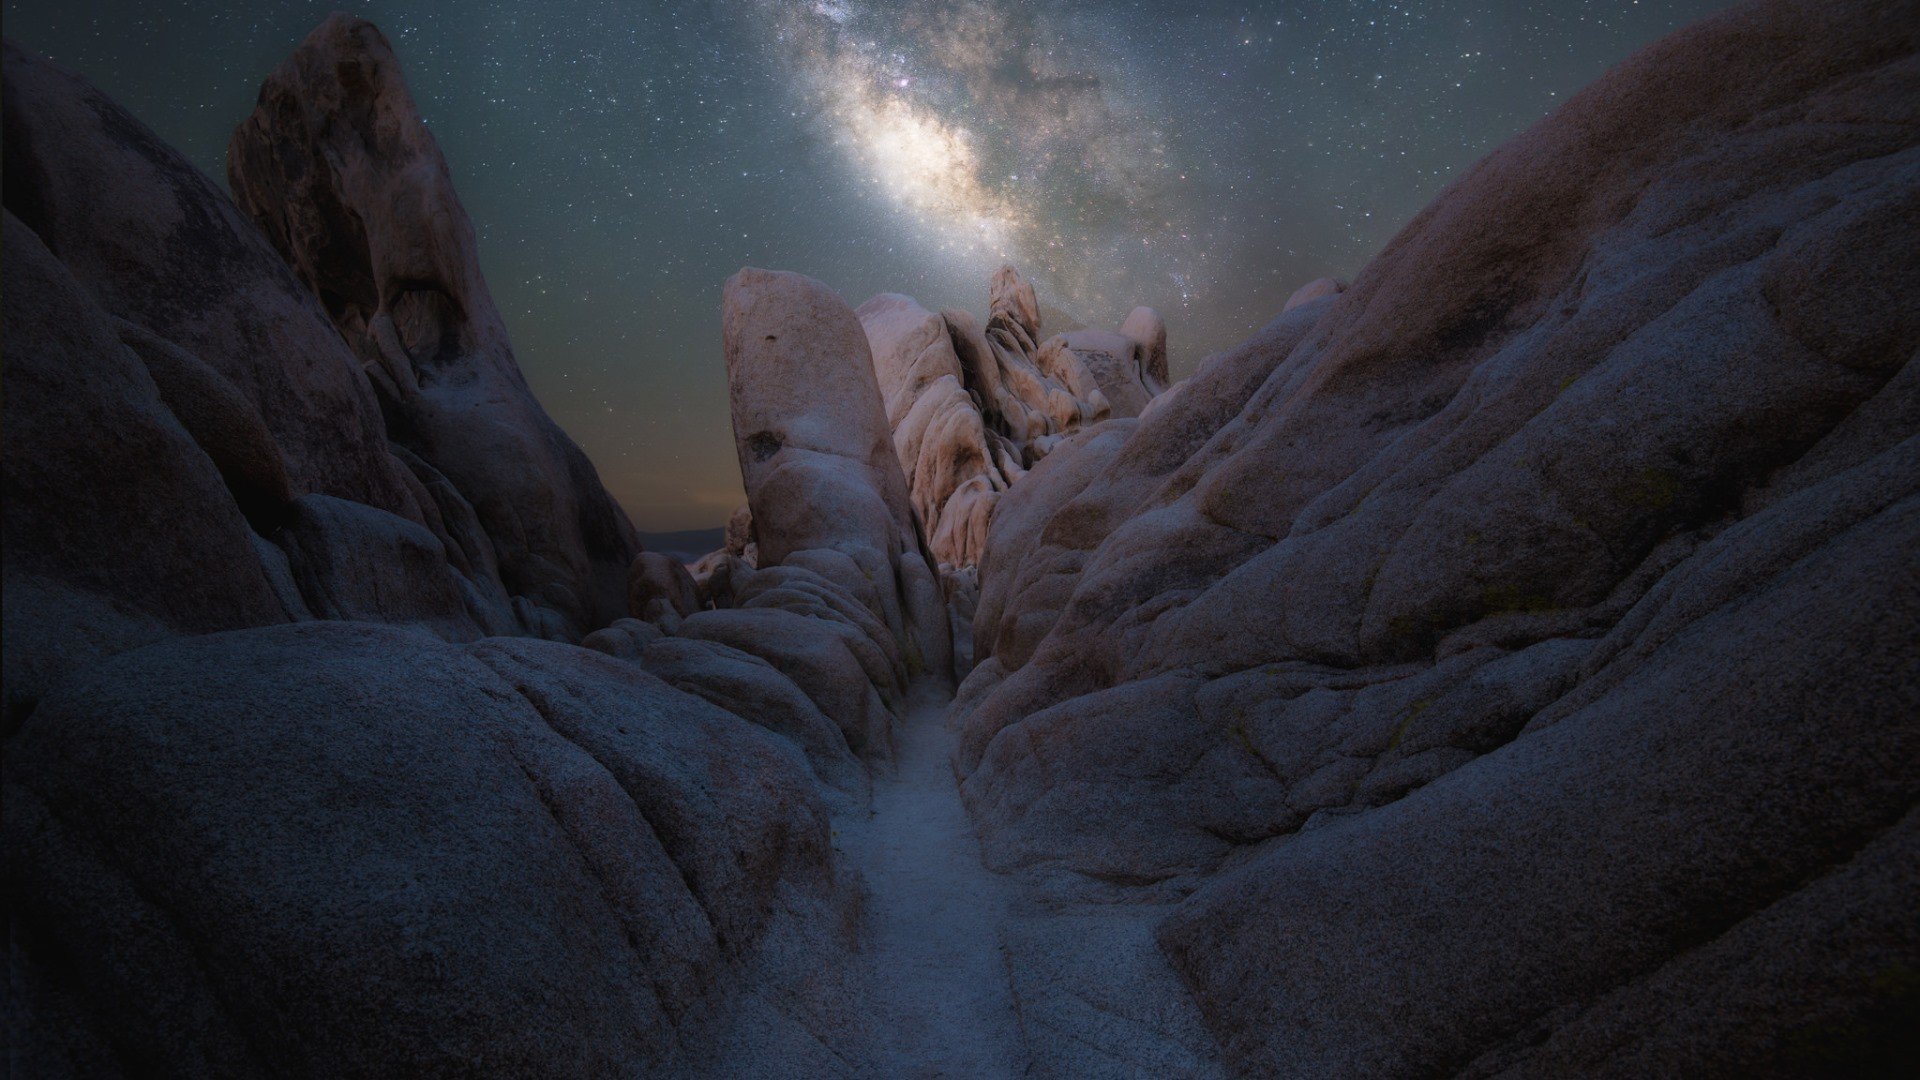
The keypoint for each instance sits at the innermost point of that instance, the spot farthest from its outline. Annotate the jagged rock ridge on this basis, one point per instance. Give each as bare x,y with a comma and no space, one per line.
455,505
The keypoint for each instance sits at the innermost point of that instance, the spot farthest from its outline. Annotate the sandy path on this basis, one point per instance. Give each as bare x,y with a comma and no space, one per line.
966,976
934,917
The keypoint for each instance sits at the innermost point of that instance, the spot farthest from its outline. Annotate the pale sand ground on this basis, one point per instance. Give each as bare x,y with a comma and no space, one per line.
957,973
970,979
933,917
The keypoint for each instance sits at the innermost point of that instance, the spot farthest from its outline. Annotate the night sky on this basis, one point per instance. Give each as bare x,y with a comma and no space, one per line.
621,160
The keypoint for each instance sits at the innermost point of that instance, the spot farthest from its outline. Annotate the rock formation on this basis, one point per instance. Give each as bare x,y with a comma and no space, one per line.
140,294
482,516
1118,363
1314,290
343,176
1510,658
660,590
955,466
76,489
970,413
410,856
1144,325
1031,405
1501,666
250,829
827,495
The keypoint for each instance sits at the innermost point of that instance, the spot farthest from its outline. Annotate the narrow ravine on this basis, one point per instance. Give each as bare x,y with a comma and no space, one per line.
933,948
971,977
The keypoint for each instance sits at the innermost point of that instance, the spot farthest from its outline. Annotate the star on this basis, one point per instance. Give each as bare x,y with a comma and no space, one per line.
620,161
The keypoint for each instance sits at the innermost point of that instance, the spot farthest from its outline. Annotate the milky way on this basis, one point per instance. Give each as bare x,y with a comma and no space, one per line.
994,134
620,160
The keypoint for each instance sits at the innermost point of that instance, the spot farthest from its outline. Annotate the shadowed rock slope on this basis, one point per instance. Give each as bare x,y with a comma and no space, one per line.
280,800
1511,659
460,508
345,849
342,175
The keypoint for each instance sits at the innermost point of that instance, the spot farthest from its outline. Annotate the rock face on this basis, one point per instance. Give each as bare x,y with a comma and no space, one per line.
955,466
1314,290
817,457
520,856
249,829
76,490
1117,362
150,454
1029,404
1509,659
477,515
159,246
344,178
355,562
1145,326
970,413
660,589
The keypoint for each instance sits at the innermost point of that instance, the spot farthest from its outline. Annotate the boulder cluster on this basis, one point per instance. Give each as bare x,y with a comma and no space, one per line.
971,410
966,412
1507,664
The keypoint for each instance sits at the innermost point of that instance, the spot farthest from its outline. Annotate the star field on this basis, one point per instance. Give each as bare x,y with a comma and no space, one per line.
621,160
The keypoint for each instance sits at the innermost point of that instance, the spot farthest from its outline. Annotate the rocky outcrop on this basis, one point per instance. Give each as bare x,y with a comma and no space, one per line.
739,533
955,466
817,457
1314,290
1144,325
1504,656
170,391
348,849
351,561
753,689
660,590
1118,363
1034,406
971,412
250,830
94,457
248,362
1037,548
340,172
1501,666
159,246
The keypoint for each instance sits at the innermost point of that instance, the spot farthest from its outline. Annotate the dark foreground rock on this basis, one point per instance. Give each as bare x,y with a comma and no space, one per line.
251,830
1510,658
94,458
337,849
159,245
